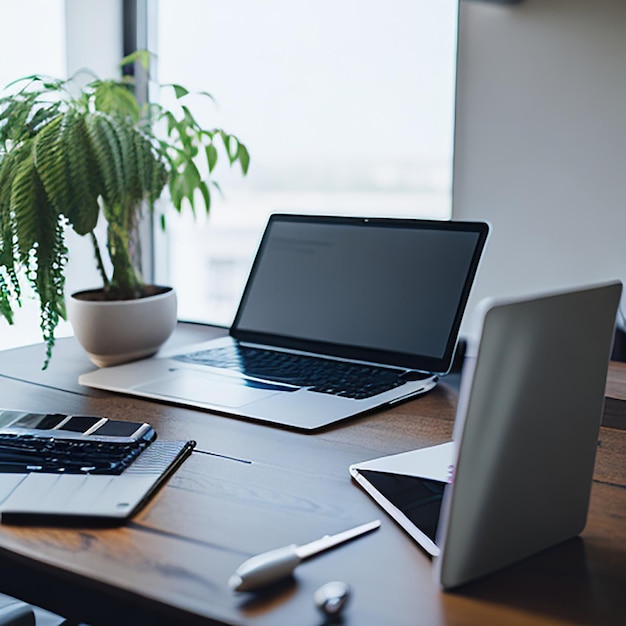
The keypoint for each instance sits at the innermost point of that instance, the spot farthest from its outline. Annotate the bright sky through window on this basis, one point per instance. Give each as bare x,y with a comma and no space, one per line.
346,107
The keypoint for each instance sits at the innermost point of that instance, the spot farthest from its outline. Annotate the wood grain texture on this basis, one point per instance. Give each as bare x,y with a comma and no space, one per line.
615,397
249,488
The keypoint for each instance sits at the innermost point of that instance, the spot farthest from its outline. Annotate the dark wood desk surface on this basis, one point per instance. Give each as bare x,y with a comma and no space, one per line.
250,488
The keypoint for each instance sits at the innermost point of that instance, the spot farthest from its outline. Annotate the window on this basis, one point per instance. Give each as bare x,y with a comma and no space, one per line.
345,106
21,58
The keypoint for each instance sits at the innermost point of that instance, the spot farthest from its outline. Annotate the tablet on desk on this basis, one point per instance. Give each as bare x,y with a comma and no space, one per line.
56,467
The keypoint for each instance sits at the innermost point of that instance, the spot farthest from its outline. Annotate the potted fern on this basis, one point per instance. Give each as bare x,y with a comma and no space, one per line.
70,157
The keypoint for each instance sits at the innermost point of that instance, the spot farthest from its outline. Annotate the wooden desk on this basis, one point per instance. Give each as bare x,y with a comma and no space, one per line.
250,488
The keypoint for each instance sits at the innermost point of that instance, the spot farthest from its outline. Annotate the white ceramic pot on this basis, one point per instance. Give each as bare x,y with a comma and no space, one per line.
118,331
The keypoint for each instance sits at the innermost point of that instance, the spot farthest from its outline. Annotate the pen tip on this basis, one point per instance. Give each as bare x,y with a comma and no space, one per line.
234,582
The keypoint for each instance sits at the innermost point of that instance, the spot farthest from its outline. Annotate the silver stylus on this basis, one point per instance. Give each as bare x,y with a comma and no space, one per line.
271,566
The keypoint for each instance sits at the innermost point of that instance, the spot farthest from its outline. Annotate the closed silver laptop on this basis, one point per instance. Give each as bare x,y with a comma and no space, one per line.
517,476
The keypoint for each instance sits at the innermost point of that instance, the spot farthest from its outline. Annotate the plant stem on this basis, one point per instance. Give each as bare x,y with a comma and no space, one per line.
99,263
126,282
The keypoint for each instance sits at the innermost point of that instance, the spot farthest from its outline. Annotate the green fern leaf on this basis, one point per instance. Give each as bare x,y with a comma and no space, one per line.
6,309
50,162
24,205
49,280
114,98
142,161
133,163
151,170
158,180
84,178
39,238
65,165
108,156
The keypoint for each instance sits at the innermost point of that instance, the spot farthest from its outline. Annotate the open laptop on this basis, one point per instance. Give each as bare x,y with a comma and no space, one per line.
340,315
517,477
56,467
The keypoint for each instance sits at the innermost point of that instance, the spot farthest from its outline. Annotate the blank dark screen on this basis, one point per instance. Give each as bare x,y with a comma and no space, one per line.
390,288
419,499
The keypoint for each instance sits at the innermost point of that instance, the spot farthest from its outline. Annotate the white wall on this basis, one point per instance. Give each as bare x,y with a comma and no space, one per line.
93,41
540,145
94,36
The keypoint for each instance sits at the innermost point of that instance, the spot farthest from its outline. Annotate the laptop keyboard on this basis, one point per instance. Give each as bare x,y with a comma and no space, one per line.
29,453
350,380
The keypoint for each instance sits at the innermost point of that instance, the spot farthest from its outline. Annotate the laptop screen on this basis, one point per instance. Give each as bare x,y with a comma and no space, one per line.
379,289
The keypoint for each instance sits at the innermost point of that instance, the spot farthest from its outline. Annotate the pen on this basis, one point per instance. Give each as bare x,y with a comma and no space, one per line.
271,566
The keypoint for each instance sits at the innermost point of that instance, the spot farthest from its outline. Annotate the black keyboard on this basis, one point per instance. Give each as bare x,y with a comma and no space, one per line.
341,378
48,454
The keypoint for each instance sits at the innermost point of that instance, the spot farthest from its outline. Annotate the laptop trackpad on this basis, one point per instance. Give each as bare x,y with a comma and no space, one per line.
210,389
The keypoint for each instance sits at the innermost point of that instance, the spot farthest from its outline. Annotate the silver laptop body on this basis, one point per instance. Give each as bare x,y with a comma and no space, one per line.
517,477
364,291
56,467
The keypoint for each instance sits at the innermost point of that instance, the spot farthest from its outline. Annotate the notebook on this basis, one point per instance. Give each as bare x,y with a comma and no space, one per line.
339,316
517,476
56,467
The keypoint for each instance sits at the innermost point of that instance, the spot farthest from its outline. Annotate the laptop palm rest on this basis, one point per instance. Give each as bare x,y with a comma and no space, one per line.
209,388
